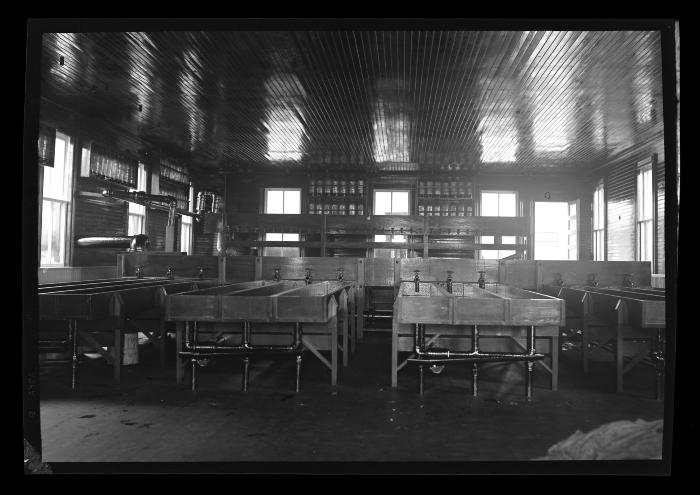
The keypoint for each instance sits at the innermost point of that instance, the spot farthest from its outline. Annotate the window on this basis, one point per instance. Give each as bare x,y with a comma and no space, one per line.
282,201
645,214
555,230
137,213
498,204
56,197
599,223
186,227
572,231
391,202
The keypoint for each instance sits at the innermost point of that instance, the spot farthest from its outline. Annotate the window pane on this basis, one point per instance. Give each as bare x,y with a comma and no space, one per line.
290,237
275,202
508,239
382,203
489,205
292,202
399,203
273,237
572,209
487,239
506,207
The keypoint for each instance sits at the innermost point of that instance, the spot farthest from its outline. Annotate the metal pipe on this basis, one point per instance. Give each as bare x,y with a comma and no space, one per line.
155,201
246,363
138,242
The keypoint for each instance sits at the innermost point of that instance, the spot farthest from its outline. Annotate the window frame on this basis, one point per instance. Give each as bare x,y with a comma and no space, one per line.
66,202
135,210
186,220
391,252
298,237
506,252
599,230
645,227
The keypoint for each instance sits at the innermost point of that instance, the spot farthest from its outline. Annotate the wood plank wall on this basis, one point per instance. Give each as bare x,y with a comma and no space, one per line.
620,190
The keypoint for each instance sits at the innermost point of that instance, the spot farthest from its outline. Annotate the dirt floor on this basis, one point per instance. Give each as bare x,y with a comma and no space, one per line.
148,417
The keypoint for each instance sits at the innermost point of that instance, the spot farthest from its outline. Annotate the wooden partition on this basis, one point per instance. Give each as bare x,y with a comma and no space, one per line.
155,264
532,274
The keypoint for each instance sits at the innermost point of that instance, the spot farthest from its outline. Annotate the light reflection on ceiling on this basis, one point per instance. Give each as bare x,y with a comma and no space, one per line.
285,118
346,99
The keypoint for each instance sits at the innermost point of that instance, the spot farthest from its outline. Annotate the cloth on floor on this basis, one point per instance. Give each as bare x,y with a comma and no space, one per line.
617,440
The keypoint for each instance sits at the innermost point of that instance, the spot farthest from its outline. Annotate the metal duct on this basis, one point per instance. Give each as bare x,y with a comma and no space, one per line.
138,242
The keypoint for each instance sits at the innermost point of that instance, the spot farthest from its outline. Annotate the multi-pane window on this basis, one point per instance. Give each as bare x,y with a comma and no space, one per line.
186,227
282,201
498,204
137,213
572,231
599,223
56,198
555,230
391,202
645,214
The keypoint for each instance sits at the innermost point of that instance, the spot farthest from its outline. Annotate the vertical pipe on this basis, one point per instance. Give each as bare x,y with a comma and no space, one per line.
420,379
530,364
659,355
194,361
73,325
475,366
298,371
246,362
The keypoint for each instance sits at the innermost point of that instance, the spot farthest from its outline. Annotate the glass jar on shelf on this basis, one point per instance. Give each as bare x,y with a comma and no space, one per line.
445,209
360,187
319,208
421,210
319,187
460,210
327,187
326,208
312,188
436,209
341,208
437,189
334,187
421,188
334,208
312,208
360,209
429,188
429,210
342,188
470,211
351,209
351,187
453,210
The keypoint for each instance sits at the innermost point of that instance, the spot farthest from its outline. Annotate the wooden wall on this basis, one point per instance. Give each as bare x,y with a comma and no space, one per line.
619,176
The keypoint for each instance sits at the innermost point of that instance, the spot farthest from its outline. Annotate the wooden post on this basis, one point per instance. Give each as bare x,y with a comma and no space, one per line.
258,268
586,337
333,327
344,315
395,348
425,236
360,304
323,235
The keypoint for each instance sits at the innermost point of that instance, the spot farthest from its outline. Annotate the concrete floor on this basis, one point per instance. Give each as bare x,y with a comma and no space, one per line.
150,418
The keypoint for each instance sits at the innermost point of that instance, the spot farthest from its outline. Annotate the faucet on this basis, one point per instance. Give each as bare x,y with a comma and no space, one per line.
416,280
307,278
591,280
170,273
201,272
627,280
139,272
482,280
340,273
449,281
277,277
558,280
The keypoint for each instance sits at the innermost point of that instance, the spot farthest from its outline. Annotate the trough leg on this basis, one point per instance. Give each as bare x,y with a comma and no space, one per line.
555,362
298,372
179,338
619,357
346,349
394,353
162,343
585,337
246,364
73,325
117,365
420,379
334,350
475,379
194,375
